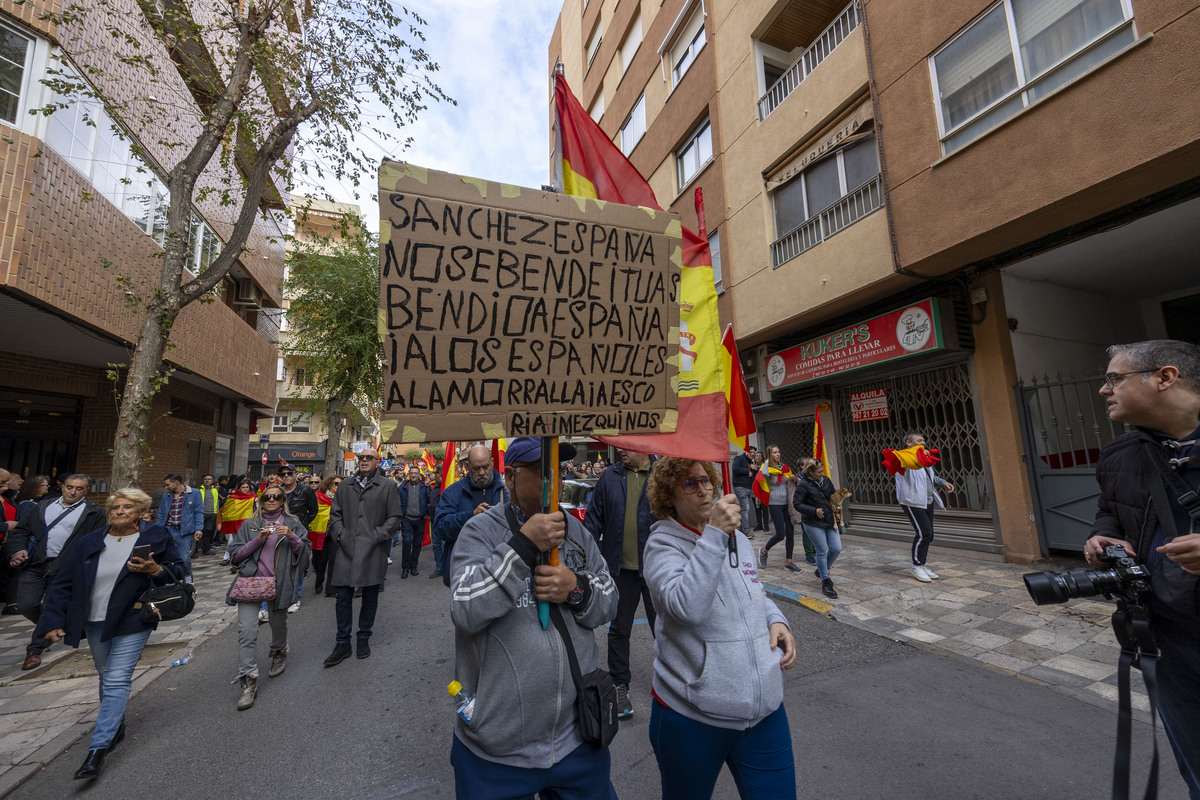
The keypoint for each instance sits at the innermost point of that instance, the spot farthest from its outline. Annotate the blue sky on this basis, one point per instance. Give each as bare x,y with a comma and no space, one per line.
492,55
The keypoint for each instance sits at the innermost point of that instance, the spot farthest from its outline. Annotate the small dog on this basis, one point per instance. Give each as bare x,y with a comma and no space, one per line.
836,499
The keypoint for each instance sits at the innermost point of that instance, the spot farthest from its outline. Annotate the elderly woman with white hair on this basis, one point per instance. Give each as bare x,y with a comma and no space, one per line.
95,596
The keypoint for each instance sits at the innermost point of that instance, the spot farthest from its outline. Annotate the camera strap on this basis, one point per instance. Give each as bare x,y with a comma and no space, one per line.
1186,496
1131,624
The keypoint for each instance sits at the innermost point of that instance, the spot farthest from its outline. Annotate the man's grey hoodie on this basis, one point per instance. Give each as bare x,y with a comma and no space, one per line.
524,695
713,658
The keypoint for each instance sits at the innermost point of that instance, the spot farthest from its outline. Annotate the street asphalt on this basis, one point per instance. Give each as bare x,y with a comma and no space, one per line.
870,717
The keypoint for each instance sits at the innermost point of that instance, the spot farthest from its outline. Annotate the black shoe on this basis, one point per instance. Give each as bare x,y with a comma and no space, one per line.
91,765
811,561
340,653
319,589
435,574
817,572
827,588
791,565
364,648
414,572
404,573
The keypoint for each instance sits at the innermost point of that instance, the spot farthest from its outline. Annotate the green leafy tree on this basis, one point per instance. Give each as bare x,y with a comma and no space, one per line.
214,94
333,332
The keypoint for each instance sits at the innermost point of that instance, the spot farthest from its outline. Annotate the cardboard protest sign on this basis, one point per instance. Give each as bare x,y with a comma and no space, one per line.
506,311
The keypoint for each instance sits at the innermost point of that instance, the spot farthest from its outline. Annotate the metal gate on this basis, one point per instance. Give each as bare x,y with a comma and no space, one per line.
794,437
1064,424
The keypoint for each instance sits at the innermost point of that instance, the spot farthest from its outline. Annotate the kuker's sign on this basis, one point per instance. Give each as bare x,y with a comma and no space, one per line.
902,333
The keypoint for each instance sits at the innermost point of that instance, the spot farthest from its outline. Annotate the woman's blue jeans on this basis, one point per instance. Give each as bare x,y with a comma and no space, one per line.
690,755
827,546
115,661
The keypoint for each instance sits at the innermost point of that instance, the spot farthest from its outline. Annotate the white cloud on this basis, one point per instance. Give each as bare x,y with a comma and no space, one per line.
492,59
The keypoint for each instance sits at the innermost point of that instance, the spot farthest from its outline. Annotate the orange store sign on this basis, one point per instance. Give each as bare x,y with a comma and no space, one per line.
905,332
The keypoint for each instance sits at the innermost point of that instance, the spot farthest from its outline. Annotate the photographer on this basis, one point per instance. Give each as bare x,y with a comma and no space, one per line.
1154,386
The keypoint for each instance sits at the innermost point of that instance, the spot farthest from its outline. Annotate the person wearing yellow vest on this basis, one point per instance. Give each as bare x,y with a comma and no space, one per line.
210,501
322,559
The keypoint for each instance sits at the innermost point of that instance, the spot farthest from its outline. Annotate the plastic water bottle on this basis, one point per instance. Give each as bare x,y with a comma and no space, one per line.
179,662
463,705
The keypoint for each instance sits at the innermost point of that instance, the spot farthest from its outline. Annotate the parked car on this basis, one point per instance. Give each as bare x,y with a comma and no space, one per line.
575,495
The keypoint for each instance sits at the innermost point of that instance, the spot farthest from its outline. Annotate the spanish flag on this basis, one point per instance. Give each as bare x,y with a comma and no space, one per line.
592,166
499,446
238,508
320,523
762,481
448,462
741,418
820,452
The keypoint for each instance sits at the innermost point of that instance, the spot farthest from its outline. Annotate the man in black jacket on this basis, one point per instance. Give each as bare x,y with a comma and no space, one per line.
741,477
1155,387
301,500
43,539
618,515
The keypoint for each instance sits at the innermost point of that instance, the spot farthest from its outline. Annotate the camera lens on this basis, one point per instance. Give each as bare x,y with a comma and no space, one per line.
1050,588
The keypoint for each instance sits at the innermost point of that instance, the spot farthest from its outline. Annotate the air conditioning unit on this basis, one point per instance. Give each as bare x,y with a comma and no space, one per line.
247,294
754,368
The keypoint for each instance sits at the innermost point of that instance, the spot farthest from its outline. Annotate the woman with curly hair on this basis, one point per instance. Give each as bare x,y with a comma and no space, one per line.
720,645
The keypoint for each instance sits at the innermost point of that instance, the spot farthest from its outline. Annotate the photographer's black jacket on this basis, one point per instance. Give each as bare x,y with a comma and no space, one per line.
1133,502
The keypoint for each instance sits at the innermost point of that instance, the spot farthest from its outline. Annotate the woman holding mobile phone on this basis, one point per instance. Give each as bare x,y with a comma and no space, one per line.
97,602
271,544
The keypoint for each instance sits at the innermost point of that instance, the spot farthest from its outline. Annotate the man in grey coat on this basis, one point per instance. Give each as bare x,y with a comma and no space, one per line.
366,513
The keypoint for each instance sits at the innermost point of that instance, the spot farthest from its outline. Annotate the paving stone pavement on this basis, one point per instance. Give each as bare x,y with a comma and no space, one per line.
978,609
43,711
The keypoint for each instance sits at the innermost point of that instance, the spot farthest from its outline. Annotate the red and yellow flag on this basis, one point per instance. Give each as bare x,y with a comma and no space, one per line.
238,508
820,451
499,446
592,166
741,418
448,462
762,481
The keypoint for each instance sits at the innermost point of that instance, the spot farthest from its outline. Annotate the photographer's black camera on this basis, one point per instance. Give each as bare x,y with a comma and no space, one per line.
1125,578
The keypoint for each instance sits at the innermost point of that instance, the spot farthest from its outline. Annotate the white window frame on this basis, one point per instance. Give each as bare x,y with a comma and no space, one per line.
301,423
632,41
26,87
840,155
714,249
689,146
280,427
593,45
1024,85
637,113
668,50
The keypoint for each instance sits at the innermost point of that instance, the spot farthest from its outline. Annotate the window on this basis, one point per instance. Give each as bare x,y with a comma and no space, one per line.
14,54
301,423
633,39
1016,53
824,183
279,424
597,109
714,247
695,154
635,127
687,44
593,44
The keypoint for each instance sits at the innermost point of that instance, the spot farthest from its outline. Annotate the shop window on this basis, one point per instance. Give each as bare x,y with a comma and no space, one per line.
694,155
686,43
1017,52
634,128
15,51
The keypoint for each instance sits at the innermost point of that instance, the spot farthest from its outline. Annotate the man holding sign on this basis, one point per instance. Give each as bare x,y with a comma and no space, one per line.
523,737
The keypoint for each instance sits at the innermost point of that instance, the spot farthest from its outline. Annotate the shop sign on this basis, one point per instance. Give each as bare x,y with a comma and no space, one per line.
869,405
315,452
905,332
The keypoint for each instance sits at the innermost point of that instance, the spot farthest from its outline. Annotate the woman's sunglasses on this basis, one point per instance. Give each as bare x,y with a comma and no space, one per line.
272,497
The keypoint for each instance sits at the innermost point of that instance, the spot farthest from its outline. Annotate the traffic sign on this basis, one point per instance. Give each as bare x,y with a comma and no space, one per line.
386,463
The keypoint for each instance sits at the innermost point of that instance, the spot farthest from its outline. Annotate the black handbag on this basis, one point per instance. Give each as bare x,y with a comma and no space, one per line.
595,693
163,602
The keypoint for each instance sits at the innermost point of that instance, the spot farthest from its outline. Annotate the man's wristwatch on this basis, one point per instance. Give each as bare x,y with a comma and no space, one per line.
576,595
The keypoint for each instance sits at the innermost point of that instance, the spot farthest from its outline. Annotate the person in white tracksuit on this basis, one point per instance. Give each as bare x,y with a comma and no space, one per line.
916,489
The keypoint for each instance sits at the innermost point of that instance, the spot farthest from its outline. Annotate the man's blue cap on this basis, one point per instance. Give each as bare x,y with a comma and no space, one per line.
529,448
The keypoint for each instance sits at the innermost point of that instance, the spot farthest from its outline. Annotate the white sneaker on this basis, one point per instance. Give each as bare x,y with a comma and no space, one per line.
294,607
389,559
263,616
920,574
225,558
930,572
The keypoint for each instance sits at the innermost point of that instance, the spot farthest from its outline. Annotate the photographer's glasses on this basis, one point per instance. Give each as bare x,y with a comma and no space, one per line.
1113,378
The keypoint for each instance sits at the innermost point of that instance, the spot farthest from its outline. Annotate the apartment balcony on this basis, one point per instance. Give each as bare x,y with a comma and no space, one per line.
812,57
864,200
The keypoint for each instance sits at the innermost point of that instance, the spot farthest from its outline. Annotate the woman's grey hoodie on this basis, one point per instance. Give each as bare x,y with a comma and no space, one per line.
524,695
713,657
290,566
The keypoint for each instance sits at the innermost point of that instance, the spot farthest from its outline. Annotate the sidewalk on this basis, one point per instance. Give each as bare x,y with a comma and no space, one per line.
43,711
977,609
